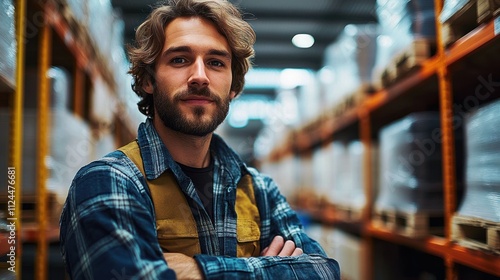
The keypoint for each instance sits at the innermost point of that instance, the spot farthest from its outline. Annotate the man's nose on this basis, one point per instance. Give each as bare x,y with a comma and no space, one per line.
198,78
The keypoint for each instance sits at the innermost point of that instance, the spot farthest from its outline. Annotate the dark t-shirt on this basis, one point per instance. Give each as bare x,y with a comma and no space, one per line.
203,183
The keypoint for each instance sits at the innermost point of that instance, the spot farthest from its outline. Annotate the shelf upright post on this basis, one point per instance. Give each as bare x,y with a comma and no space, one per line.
16,127
43,124
366,138
78,106
448,143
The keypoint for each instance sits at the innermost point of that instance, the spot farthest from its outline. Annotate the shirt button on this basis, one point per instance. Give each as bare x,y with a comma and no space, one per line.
229,189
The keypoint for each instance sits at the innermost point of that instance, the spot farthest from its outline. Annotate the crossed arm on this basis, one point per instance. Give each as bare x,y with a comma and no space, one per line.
95,248
186,267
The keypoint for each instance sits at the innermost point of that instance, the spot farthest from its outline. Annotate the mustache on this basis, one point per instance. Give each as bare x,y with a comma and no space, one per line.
205,92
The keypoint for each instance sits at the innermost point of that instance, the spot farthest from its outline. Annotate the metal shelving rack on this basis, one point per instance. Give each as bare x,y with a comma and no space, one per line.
435,79
55,31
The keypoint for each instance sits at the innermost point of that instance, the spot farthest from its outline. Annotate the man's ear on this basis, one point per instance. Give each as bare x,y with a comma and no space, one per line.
148,86
232,94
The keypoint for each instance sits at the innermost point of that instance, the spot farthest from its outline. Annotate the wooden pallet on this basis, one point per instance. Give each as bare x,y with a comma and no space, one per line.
389,75
476,233
474,13
352,100
412,57
414,225
487,9
348,213
408,60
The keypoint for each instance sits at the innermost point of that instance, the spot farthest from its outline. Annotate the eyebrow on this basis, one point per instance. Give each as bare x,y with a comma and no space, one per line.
186,49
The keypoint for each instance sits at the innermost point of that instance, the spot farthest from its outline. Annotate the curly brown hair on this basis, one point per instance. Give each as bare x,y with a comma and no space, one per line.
150,37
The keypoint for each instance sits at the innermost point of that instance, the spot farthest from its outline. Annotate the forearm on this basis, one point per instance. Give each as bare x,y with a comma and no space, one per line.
299,267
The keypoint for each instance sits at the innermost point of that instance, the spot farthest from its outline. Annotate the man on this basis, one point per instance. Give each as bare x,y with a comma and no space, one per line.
178,202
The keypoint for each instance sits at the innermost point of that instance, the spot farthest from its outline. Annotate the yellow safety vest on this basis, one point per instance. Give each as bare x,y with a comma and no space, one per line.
175,224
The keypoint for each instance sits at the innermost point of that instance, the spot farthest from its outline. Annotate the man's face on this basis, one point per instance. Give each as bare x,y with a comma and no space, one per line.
193,77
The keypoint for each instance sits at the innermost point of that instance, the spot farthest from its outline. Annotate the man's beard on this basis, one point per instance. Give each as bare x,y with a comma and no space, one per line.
172,117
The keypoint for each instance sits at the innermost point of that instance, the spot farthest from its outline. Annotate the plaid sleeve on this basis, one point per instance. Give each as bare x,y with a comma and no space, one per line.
108,227
277,218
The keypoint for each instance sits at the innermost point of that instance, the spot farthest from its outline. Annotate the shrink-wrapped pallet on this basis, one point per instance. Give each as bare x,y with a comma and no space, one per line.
285,174
402,23
451,7
347,249
339,168
7,41
410,165
482,182
322,167
347,179
356,175
348,62
71,144
100,25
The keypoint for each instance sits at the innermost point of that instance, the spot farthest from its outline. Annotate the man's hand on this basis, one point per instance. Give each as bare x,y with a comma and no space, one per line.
185,267
279,247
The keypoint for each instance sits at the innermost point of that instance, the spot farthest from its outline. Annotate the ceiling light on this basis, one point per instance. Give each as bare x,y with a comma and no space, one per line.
292,78
303,41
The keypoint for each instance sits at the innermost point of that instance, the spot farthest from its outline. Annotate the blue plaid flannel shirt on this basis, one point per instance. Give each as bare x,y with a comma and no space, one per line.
108,229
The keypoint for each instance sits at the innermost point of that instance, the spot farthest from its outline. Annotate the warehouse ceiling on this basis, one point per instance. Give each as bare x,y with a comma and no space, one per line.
276,22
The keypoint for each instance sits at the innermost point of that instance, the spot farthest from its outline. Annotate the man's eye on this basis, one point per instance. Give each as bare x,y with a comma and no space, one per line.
178,60
216,63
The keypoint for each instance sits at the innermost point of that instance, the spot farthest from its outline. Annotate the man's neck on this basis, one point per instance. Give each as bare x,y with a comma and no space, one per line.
186,149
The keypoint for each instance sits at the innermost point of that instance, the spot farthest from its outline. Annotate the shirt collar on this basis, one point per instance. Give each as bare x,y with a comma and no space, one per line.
157,159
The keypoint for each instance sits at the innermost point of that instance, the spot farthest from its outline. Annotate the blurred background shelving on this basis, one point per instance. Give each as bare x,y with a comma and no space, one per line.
382,135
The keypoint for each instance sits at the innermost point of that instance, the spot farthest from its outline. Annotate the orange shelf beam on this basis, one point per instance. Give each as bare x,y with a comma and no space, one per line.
61,27
470,43
4,244
476,259
439,246
427,69
31,233
433,245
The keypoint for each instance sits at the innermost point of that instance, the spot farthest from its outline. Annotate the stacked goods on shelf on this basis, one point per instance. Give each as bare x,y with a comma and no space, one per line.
477,223
7,43
348,250
322,167
70,147
104,104
71,144
339,167
356,200
275,136
308,101
120,64
100,25
284,173
94,16
410,199
100,30
347,192
306,195
459,17
407,38
348,64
